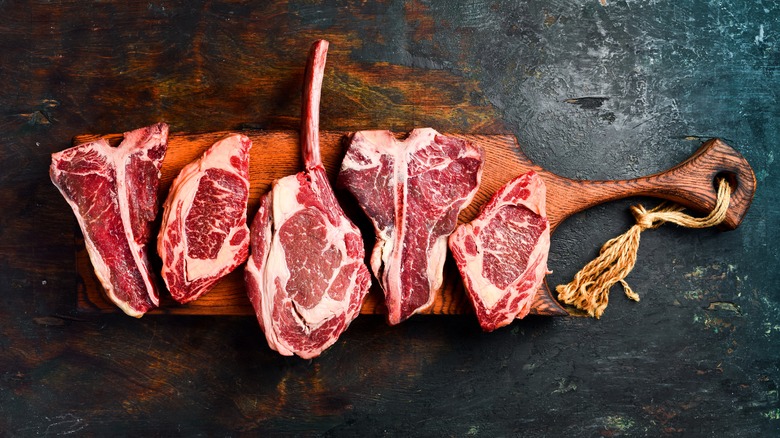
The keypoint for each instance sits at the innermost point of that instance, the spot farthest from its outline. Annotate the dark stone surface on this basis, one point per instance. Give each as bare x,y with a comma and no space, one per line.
590,91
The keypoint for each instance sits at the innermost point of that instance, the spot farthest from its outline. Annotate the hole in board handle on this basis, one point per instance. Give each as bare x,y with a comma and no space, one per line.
729,176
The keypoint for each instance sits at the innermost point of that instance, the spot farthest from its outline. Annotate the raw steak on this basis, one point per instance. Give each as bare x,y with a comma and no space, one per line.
204,234
306,276
113,193
502,254
412,191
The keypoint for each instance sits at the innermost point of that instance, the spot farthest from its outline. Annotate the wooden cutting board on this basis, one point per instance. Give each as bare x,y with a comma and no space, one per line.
276,154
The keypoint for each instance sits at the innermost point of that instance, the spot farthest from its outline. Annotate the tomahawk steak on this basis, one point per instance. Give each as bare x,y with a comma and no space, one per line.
306,276
204,233
412,190
502,254
113,193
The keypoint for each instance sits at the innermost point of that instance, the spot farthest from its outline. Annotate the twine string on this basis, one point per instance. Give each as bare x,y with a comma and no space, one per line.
589,290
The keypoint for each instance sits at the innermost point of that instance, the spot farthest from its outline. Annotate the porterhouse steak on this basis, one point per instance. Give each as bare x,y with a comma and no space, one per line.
113,193
204,233
306,276
502,253
413,191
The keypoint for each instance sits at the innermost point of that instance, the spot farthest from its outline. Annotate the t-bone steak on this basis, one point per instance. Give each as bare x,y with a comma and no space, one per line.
204,233
413,191
502,254
306,276
113,193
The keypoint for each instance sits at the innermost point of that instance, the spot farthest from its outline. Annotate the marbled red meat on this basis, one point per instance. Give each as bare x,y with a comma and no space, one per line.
306,276
204,233
113,193
502,254
413,191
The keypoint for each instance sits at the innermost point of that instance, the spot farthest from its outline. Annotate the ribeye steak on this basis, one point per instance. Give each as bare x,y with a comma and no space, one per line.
413,191
113,193
502,254
306,276
204,233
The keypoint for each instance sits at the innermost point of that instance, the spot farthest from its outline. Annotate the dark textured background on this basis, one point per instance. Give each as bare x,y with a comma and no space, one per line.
698,356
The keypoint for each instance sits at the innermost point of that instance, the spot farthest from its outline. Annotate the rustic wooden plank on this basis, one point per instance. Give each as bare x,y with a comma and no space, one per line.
275,154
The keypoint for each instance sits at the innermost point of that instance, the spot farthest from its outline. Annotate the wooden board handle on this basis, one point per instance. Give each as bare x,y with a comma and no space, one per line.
692,183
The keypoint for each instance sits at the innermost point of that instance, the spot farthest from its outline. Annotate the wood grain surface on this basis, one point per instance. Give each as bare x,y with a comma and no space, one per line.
276,154
590,92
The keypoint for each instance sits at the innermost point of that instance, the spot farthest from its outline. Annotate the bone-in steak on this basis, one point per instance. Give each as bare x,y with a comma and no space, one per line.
113,193
502,254
204,233
412,190
306,276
